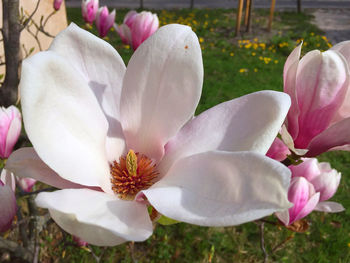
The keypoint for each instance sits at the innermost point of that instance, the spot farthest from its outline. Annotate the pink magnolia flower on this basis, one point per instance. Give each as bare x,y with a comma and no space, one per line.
10,129
57,4
26,184
278,150
80,242
118,139
137,27
312,184
8,204
89,9
104,21
318,85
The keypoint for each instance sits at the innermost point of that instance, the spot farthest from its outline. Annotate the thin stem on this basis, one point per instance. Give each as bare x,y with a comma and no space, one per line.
262,242
31,16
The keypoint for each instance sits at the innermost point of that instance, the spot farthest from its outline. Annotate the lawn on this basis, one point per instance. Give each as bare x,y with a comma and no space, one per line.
233,67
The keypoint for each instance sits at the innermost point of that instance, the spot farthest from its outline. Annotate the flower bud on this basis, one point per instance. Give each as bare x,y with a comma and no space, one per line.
10,129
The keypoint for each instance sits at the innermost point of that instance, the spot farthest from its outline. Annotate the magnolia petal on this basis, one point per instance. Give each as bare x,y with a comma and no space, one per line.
221,188
307,209
8,206
8,179
283,216
288,140
25,163
278,150
329,207
289,79
96,217
103,69
249,123
63,120
336,135
165,73
322,82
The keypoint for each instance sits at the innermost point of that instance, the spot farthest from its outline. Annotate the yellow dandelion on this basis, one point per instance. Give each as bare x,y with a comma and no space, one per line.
232,54
253,54
243,70
255,70
201,40
276,61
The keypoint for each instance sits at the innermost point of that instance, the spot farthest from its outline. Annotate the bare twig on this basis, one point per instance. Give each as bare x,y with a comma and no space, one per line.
262,242
282,244
31,16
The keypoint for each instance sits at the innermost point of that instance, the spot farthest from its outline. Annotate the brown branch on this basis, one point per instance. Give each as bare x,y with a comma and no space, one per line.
16,249
282,244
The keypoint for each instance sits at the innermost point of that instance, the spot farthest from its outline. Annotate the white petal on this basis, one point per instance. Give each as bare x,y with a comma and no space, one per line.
25,163
329,207
8,179
161,88
221,189
103,69
283,216
63,120
249,123
96,217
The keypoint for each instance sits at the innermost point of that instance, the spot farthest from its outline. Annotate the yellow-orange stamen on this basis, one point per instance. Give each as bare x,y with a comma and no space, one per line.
133,173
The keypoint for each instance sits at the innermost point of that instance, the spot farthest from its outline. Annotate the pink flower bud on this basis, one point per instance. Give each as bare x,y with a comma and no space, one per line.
278,150
89,10
26,184
137,27
144,25
7,200
304,198
318,84
10,129
80,242
324,179
104,21
57,4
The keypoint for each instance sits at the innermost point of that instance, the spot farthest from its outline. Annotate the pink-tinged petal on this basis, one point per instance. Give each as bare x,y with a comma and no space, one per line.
7,178
63,120
124,32
298,194
308,208
302,194
289,79
343,48
144,25
336,135
322,82
103,69
165,73
308,169
221,188
26,184
283,216
248,123
344,111
129,18
278,150
57,4
89,9
10,129
8,206
96,217
104,21
25,163
329,207
326,183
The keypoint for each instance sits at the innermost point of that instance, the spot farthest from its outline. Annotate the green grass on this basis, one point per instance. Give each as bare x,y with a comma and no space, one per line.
233,68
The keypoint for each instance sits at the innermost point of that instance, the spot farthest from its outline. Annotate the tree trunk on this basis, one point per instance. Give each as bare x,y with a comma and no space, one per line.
192,4
299,6
11,37
141,4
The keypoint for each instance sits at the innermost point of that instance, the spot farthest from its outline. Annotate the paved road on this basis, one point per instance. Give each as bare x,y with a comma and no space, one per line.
168,4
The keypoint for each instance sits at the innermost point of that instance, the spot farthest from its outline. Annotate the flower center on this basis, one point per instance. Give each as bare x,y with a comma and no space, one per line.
133,173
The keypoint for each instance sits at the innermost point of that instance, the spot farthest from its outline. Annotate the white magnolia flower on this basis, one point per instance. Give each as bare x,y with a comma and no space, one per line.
117,139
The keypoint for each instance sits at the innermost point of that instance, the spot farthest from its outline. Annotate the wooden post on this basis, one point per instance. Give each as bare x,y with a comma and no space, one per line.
11,35
299,6
247,17
239,16
272,10
141,4
192,4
